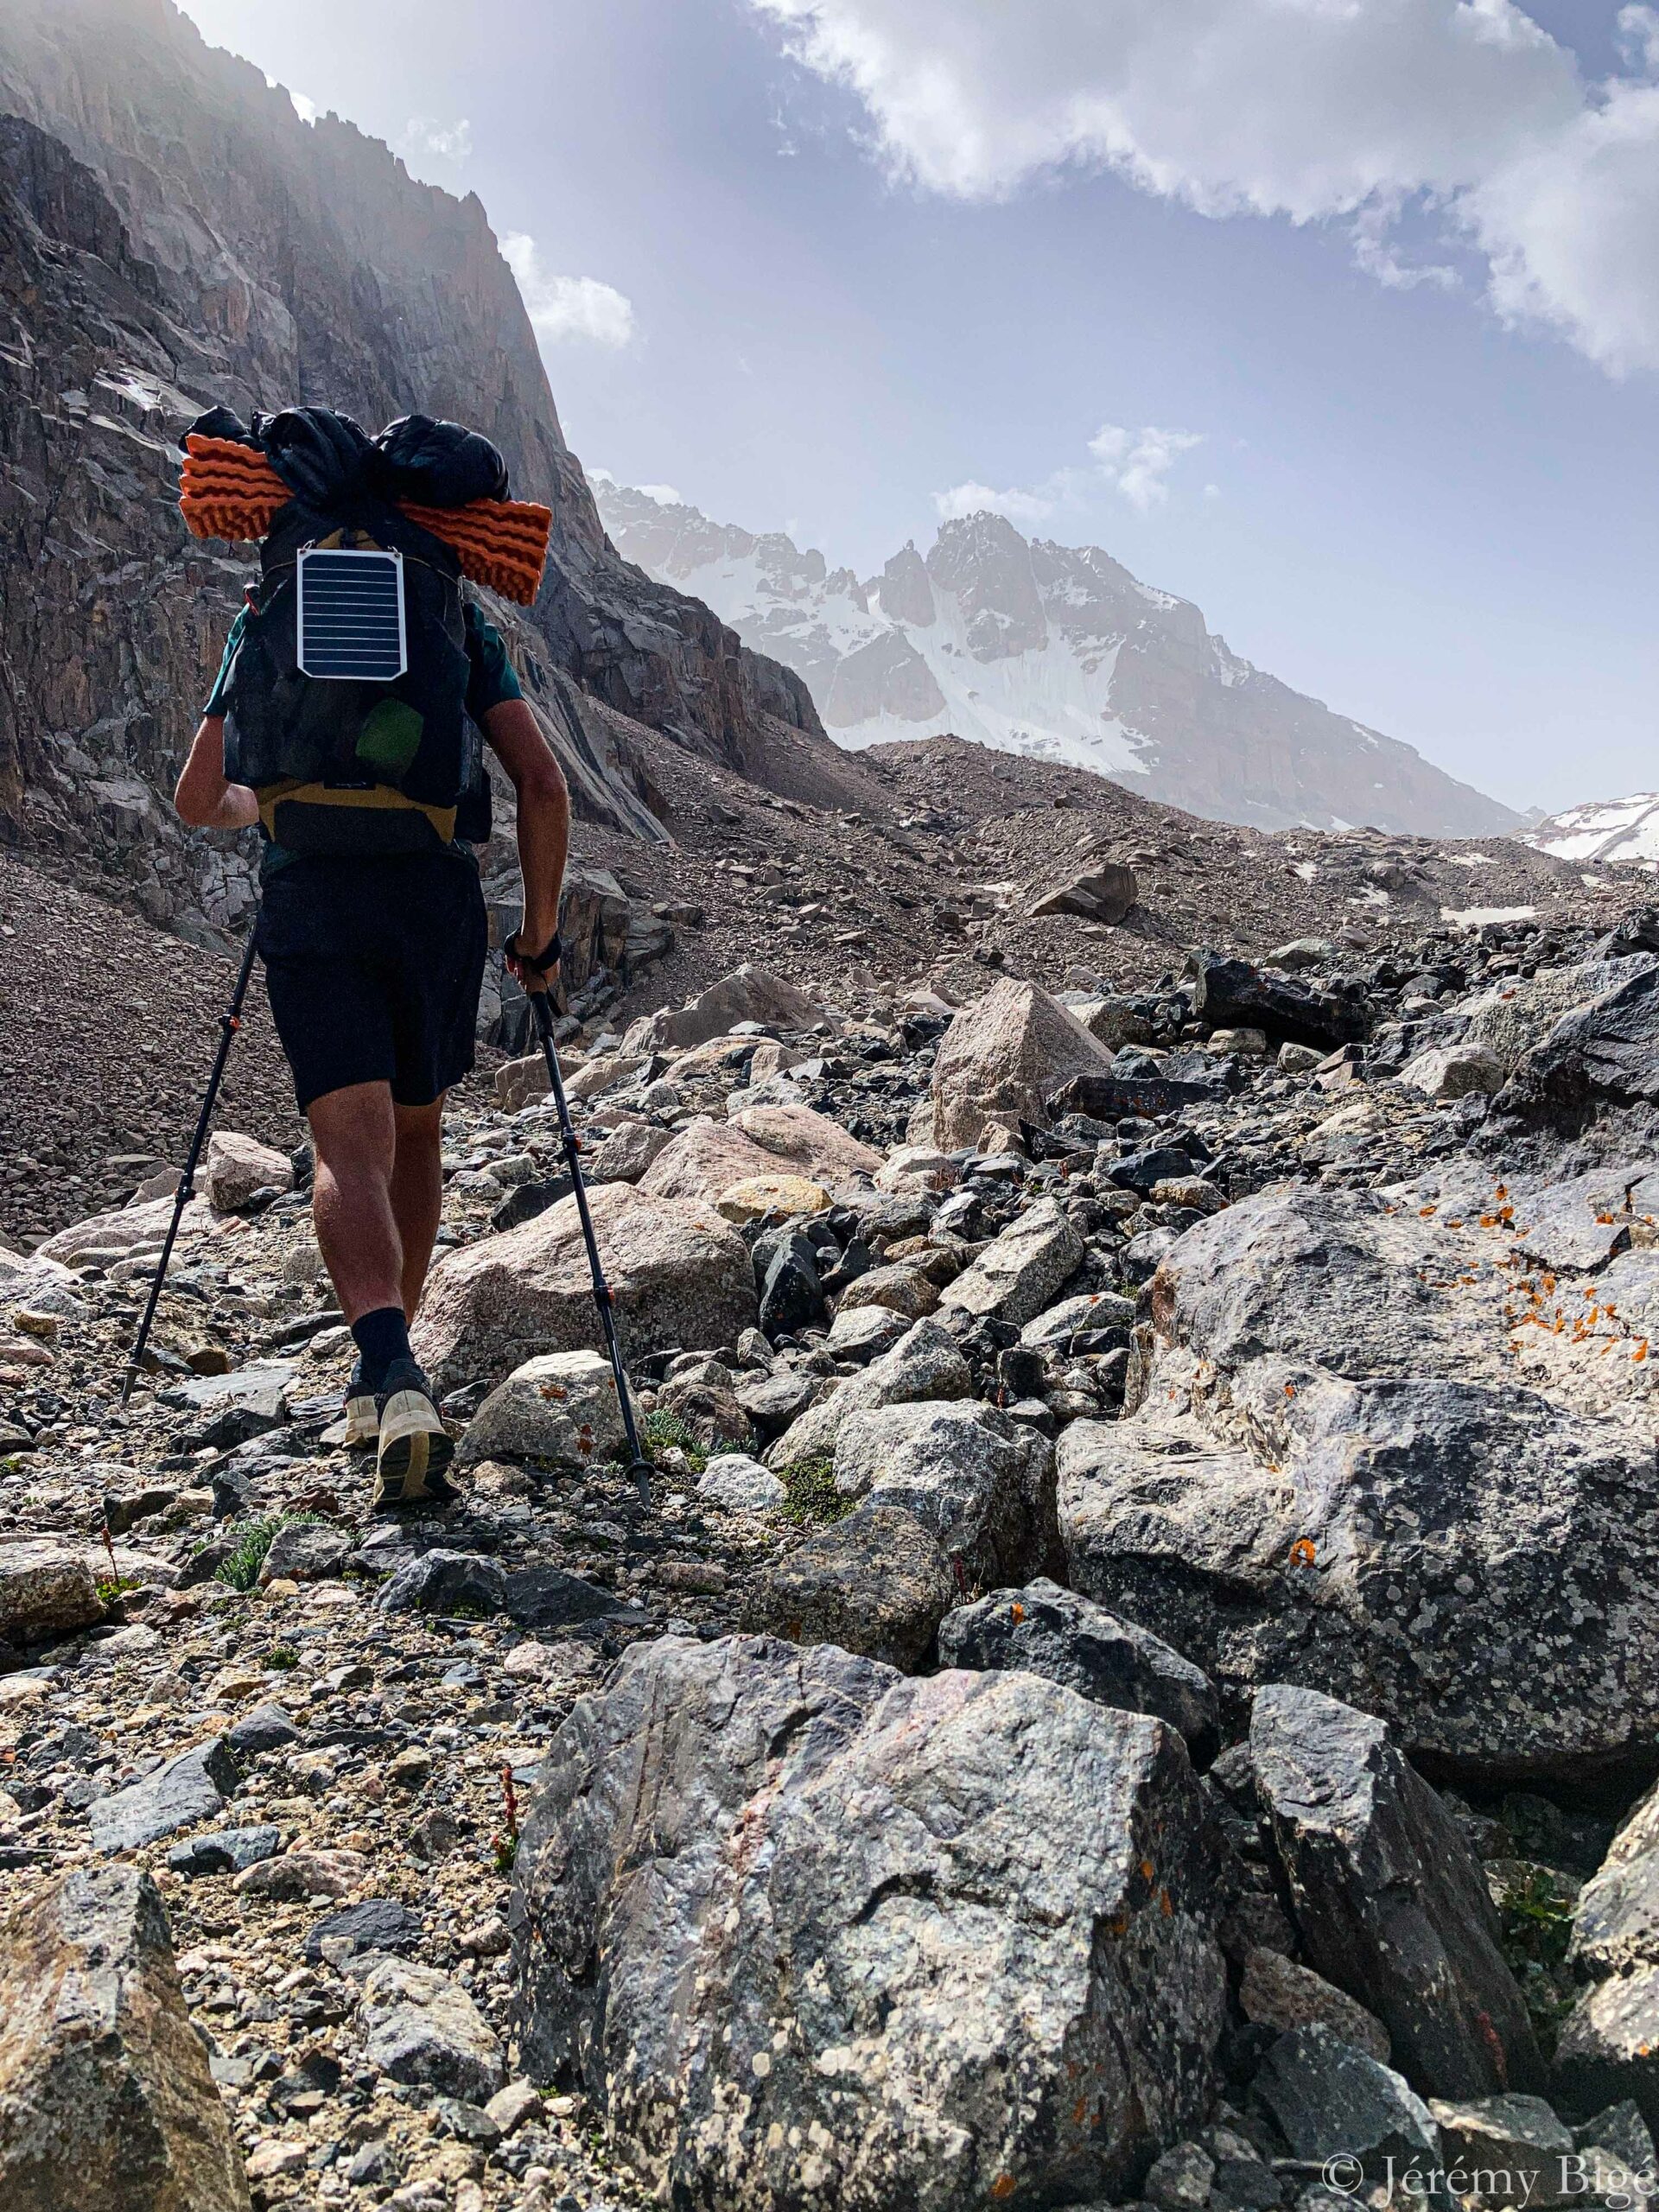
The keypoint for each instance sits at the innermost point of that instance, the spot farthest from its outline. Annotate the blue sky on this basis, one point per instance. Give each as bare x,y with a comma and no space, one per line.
1369,315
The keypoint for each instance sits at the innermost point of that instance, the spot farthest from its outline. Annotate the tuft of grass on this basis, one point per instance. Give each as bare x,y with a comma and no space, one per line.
663,1430
1536,1915
811,1500
283,1659
112,1586
240,1570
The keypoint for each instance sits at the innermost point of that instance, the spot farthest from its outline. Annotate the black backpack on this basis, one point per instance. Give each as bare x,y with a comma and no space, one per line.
341,764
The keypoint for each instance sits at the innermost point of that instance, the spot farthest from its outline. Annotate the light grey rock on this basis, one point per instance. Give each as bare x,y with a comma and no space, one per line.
876,1582
982,1485
1606,2049
624,1154
225,1850
740,1485
46,1589
1514,1016
1054,1632
680,1276
772,1904
1091,1309
926,1363
306,1551
261,1388
191,1786
239,1166
562,1406
1389,1900
1180,2179
1331,2102
423,2029
1001,1058
1022,1270
749,993
106,2101
863,1332
1577,1225
1454,1071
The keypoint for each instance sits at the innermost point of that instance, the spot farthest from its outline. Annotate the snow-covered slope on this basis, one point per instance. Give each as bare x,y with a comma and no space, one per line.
1051,651
1608,830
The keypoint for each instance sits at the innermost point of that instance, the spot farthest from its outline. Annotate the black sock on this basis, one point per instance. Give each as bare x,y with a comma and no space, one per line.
382,1337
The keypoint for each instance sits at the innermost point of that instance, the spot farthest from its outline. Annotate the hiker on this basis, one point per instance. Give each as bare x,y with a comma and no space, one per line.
372,928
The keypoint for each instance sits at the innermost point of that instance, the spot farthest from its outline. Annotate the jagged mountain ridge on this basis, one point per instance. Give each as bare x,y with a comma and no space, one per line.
171,234
1603,831
1051,650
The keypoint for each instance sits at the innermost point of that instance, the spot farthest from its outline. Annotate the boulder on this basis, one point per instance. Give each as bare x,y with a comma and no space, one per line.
306,1551
862,1332
925,1363
704,1157
1113,1021
1607,2049
1230,994
1578,1223
1273,1992
627,1153
1328,1475
1389,1900
106,1238
740,1485
187,1787
239,1166
1516,2141
46,1589
562,1406
1002,1056
1601,1061
792,1296
1339,2108
1102,892
1022,1270
520,1082
1056,1325
757,1197
422,2029
225,1850
678,1274
811,1143
444,1581
106,2101
876,1582
912,1163
1109,1097
980,1484
749,994
1454,1071
1512,1017
1054,1632
903,1289
773,1905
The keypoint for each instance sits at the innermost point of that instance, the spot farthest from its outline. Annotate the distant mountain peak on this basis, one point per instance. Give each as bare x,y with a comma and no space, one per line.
1051,650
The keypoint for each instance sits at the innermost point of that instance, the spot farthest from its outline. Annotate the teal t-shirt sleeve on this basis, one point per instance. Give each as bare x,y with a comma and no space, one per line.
491,679
216,697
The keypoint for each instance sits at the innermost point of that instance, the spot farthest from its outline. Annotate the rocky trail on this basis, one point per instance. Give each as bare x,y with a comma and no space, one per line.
1134,1683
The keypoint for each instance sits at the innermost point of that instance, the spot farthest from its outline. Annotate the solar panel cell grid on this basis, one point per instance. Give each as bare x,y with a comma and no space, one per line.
351,615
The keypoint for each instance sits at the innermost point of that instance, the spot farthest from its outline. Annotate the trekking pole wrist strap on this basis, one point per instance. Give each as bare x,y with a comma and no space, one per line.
549,956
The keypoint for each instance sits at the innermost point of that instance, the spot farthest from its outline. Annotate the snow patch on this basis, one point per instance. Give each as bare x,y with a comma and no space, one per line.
1472,918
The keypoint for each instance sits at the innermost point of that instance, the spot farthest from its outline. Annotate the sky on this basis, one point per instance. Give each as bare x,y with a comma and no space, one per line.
1339,317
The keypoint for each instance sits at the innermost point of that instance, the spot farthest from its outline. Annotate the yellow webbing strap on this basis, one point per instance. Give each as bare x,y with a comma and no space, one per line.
270,796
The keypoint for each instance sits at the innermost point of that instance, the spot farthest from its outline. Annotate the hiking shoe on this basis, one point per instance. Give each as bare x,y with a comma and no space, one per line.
415,1447
360,1422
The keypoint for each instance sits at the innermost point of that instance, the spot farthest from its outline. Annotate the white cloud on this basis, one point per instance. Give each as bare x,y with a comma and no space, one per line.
664,494
566,307
971,498
1313,109
1137,463
447,142
308,111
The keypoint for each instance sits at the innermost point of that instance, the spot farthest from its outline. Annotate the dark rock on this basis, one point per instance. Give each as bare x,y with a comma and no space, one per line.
525,1200
190,1788
791,1297
547,1598
1140,1171
1389,1901
446,1582
1338,2107
1232,995
261,1728
375,1924
225,1850
1109,1096
1055,1633
876,1583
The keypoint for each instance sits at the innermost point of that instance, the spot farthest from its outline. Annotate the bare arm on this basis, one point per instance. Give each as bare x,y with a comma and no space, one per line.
203,798
516,739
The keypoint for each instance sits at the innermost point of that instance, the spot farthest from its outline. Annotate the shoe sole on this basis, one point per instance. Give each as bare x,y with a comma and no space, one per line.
415,1450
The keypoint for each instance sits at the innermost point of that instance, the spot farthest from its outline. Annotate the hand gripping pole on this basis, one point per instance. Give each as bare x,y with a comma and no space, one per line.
229,1022
639,1465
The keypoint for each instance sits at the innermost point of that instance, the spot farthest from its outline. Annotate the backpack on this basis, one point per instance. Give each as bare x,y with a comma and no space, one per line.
341,764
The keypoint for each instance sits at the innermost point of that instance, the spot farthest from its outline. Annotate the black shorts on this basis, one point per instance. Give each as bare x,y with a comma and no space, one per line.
373,966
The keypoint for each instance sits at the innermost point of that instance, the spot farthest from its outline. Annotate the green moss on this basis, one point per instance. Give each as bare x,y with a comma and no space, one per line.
810,1499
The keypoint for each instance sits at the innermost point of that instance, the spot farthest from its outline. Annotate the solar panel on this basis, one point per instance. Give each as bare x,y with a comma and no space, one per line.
351,614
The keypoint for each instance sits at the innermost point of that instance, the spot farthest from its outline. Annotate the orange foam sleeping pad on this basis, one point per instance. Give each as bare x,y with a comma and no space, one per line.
230,491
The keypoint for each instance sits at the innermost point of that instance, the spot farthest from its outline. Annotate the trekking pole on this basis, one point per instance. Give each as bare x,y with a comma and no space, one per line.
229,1022
542,1014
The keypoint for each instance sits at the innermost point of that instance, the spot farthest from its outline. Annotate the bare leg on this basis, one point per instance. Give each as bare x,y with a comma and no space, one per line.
417,1191
355,1134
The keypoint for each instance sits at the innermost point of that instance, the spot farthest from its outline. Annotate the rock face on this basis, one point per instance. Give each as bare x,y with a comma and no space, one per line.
1052,649
120,116
106,2103
1389,1903
1001,1057
679,1273
1303,1494
983,1487
726,1812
